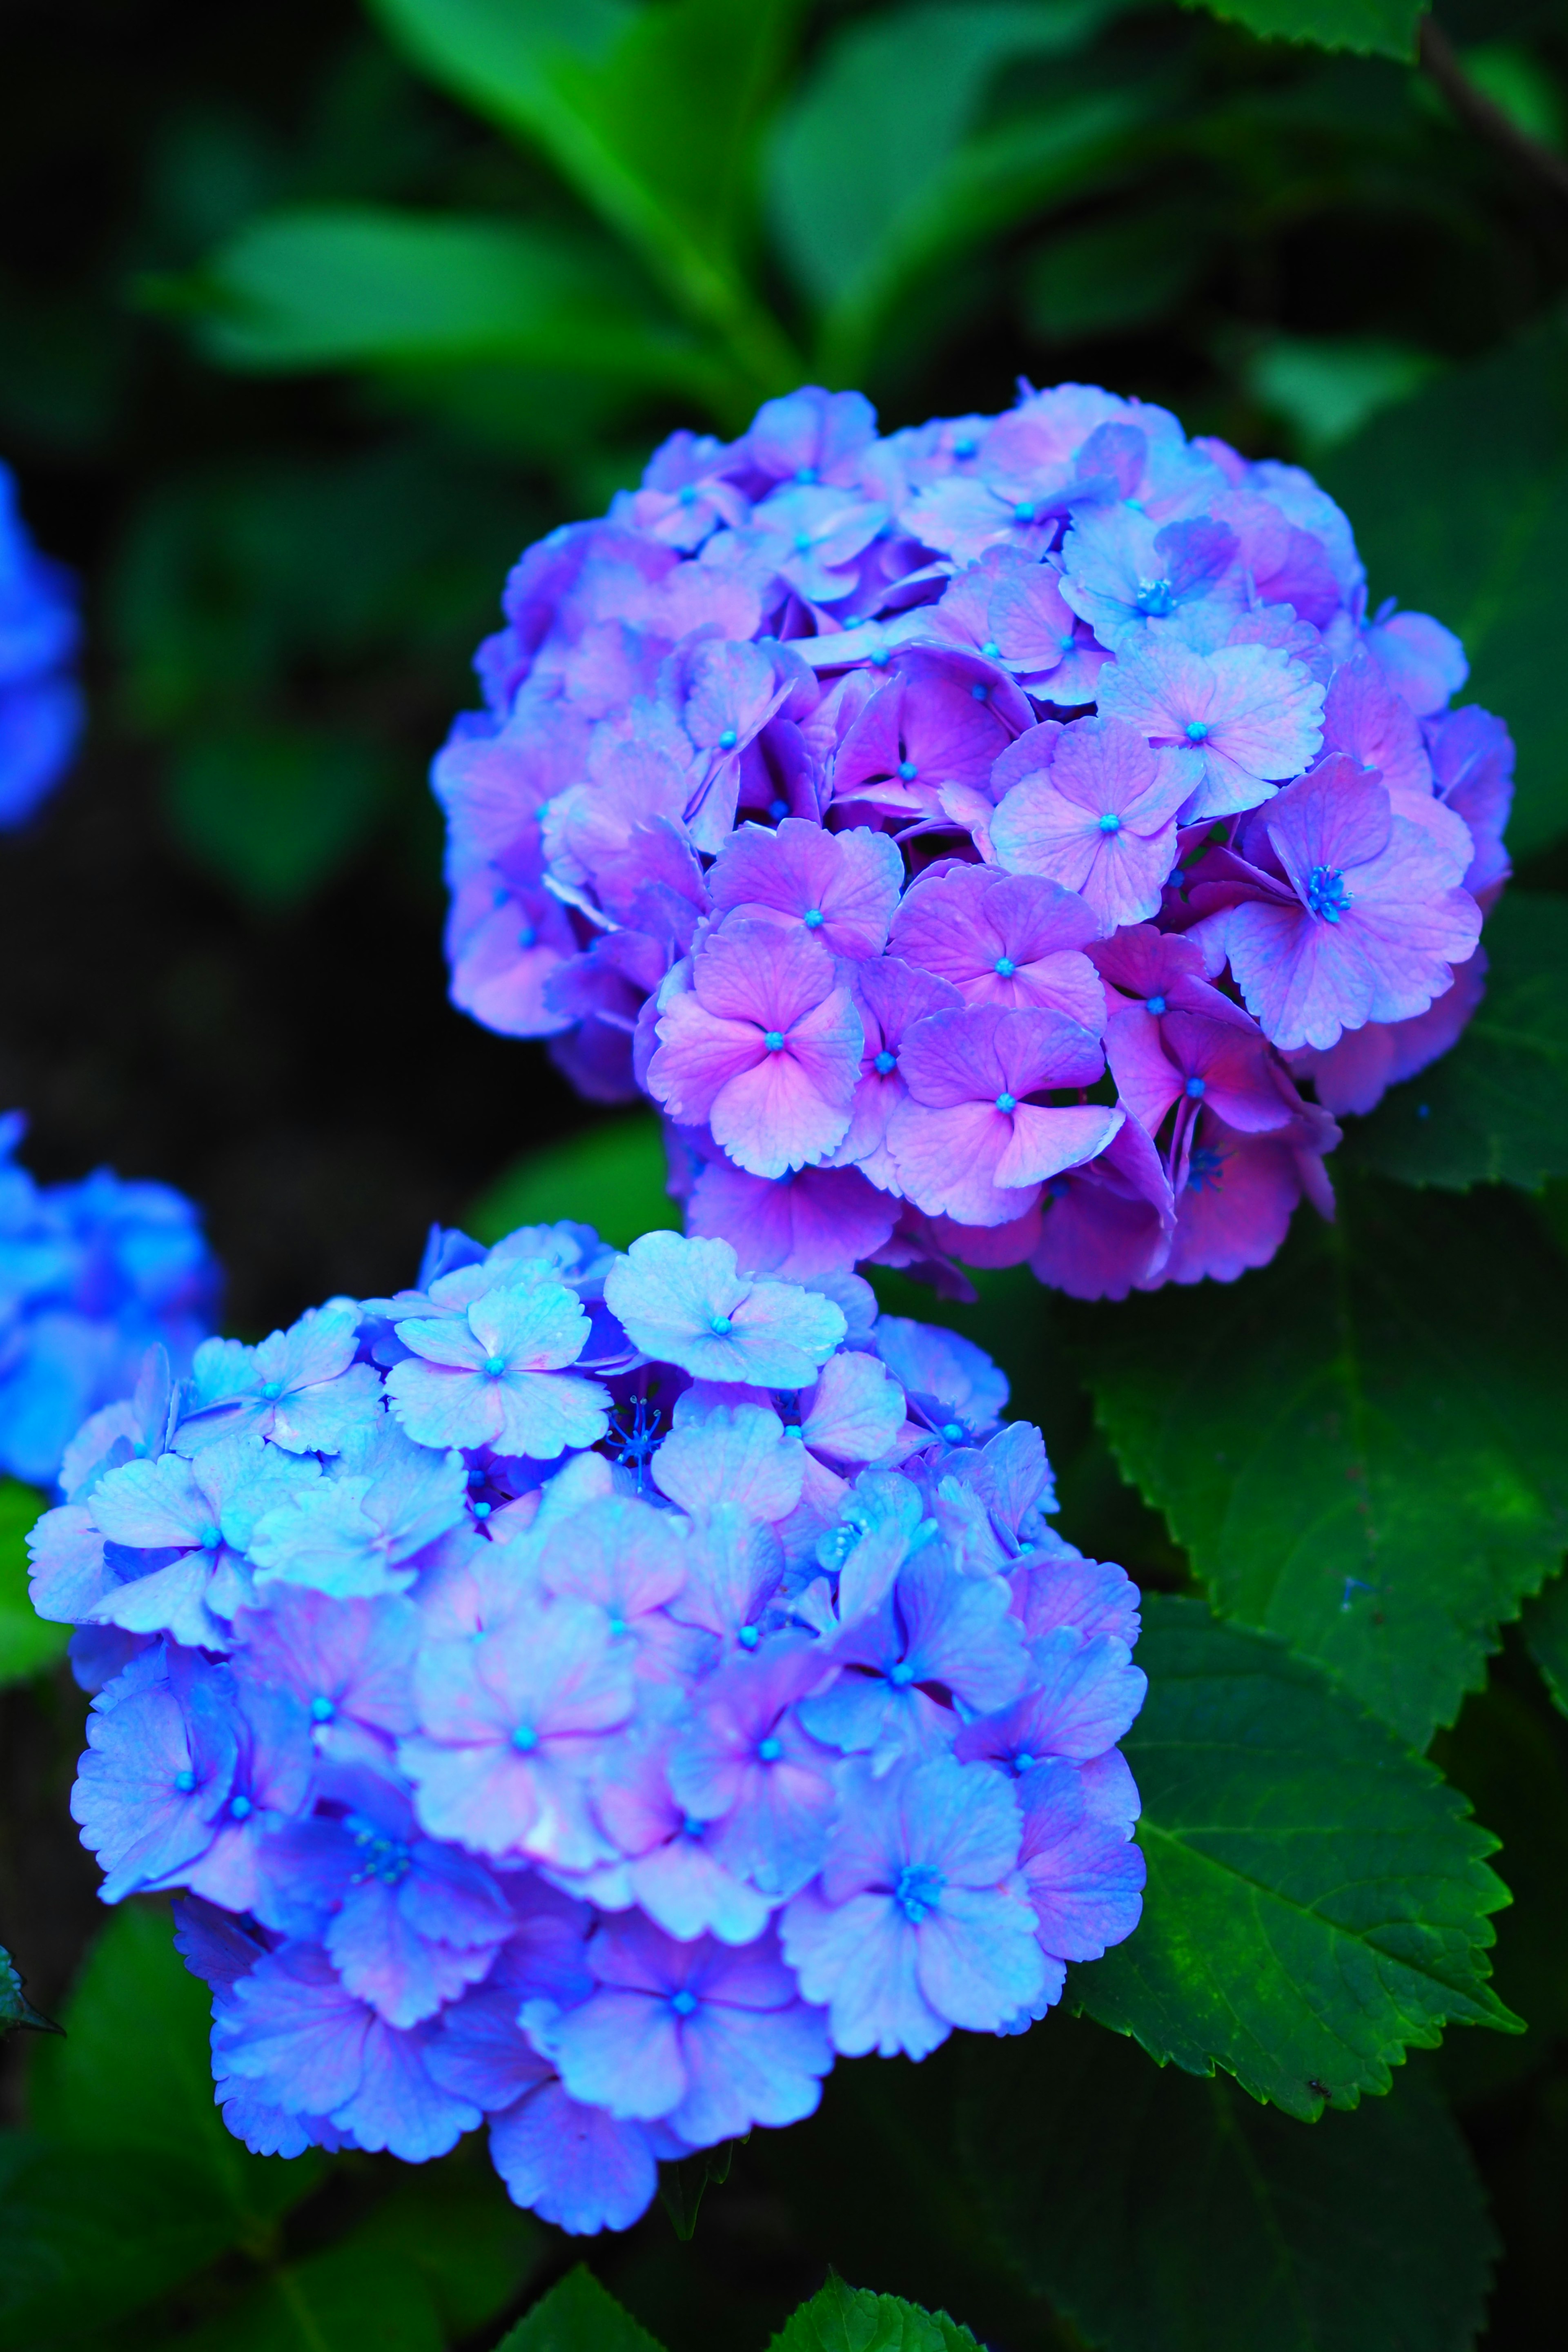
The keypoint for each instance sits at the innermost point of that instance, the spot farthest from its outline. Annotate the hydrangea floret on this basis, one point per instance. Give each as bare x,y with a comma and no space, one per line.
584,1693
40,703
92,1273
1007,839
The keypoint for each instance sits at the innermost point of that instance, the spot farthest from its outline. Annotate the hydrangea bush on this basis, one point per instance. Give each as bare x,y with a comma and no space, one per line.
40,704
588,1691
1008,839
91,1275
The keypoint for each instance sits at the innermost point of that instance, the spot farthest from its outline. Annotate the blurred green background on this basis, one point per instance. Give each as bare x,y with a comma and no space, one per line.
313,314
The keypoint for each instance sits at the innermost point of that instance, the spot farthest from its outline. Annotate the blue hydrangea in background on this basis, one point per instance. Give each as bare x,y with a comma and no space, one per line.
92,1276
585,1693
1013,839
40,703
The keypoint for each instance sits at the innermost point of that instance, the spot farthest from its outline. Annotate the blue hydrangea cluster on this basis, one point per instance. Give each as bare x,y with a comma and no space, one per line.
40,703
92,1276
1008,839
584,1693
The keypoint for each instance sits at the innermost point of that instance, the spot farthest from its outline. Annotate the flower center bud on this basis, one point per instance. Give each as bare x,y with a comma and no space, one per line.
991,649
1197,730
774,1041
908,770
495,1366
721,1326
683,2002
1024,512
1326,893
1008,1102
954,1433
1196,1089
917,1890
813,918
1110,822
770,1749
1004,967
885,1062
728,740
322,1710
1156,1004
525,1739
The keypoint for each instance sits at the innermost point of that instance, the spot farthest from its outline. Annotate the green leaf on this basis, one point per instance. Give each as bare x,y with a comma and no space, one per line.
881,172
352,2296
578,2315
133,2074
1545,1629
1458,499
274,811
28,1643
353,285
652,113
475,2249
89,2234
1164,2215
611,1177
1317,1899
1495,1110
1377,28
1360,1446
841,2318
1110,277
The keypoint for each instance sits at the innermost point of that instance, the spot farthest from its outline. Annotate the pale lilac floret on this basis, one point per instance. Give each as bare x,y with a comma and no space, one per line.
485,1380
1084,1692
360,1533
921,1921
293,2030
939,1636
704,2037
508,1732
811,1221
1367,923
841,886
1100,820
948,1380
1004,940
746,1766
764,1045
1242,718
685,1302
1122,571
1084,1876
301,1388
969,1142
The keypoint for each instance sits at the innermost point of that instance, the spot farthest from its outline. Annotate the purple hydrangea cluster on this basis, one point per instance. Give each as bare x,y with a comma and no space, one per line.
584,1693
1010,839
91,1275
40,704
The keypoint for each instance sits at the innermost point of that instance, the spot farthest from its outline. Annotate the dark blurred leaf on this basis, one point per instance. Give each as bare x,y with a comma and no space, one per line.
1458,499
1317,1900
133,2076
88,2234
1379,28
28,1643
578,2315
1110,275
1166,2215
1495,1110
275,812
1326,388
1545,1629
345,286
474,2249
653,115
353,2297
1360,1446
610,1177
843,2318
883,170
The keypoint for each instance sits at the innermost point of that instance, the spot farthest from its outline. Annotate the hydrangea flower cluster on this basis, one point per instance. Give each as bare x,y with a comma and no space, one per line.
40,703
584,1693
91,1275
1007,839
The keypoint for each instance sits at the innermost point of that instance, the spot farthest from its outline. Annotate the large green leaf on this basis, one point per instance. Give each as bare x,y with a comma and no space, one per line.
26,1643
1317,1900
653,113
881,172
133,2076
842,2318
1378,29
1496,1108
354,285
89,2234
1458,499
1164,2215
1361,1445
611,1177
275,809
578,2315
